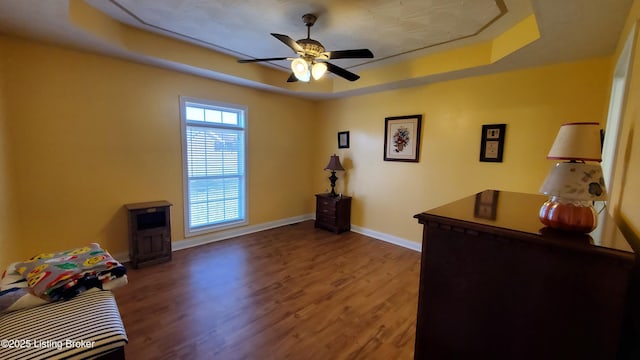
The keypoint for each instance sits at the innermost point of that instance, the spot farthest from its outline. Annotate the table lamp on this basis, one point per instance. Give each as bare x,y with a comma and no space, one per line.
334,165
574,185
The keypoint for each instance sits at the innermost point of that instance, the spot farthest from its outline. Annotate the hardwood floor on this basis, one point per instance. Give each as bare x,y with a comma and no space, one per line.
294,292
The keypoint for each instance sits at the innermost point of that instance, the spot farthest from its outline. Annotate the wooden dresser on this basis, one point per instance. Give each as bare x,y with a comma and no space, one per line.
496,284
333,212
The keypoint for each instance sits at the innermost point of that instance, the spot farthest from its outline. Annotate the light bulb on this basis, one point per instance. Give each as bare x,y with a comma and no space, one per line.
318,69
300,69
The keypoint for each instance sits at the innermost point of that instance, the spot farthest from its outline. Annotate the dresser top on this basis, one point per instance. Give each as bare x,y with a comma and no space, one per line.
512,211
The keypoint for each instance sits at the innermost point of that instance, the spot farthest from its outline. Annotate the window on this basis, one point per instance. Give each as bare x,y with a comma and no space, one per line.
213,140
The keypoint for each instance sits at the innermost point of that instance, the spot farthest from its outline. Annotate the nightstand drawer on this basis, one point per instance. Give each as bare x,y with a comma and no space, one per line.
326,204
326,210
333,213
326,219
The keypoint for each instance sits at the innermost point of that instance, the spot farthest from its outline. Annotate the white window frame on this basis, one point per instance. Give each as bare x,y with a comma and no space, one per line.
242,114
617,105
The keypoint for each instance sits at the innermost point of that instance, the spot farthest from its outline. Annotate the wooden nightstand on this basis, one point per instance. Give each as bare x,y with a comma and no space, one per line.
333,213
149,233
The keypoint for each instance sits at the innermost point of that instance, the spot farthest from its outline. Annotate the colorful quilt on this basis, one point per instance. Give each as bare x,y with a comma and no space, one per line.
58,276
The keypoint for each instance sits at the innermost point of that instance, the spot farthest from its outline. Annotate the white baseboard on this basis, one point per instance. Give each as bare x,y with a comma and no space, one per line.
225,234
388,238
245,230
239,231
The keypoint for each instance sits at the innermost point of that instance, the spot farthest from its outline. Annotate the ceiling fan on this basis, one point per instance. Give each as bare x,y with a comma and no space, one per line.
312,56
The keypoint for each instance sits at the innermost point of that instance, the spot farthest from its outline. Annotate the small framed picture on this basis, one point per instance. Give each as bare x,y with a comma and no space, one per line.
343,140
402,138
492,142
486,205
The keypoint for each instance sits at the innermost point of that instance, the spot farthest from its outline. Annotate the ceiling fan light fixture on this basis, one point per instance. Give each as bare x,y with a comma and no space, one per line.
318,69
312,56
300,69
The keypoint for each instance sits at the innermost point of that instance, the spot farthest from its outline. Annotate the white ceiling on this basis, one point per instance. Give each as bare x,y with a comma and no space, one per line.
242,28
395,31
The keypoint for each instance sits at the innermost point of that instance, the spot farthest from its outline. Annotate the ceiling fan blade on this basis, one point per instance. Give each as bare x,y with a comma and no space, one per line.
289,42
292,78
242,61
350,54
342,72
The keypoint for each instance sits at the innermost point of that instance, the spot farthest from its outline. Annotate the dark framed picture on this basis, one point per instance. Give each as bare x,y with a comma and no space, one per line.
486,205
343,140
492,142
402,138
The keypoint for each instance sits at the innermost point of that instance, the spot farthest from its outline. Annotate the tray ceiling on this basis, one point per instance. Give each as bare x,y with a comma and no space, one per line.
406,36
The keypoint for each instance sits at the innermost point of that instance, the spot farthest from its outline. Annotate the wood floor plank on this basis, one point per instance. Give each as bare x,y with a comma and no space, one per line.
294,292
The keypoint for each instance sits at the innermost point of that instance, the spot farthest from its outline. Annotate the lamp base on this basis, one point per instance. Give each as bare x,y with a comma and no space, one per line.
568,215
333,179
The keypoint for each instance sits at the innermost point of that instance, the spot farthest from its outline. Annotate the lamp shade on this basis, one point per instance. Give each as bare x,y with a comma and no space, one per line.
575,181
318,69
300,69
334,163
577,141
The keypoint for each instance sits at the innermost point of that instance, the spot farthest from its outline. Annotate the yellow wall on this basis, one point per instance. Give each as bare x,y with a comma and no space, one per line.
6,236
91,133
533,103
627,170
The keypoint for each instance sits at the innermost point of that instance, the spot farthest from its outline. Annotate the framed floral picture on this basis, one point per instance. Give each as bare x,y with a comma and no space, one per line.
402,138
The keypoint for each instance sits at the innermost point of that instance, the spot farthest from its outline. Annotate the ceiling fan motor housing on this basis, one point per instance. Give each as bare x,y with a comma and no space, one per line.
312,48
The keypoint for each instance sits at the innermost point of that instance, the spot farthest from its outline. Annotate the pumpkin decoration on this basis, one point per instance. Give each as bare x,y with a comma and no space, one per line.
568,216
